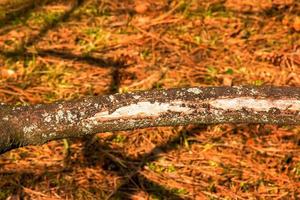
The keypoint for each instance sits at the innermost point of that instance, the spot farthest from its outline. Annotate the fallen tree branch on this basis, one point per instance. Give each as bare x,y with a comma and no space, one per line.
33,125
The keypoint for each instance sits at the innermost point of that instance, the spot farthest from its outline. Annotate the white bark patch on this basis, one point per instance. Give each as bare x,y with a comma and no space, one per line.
59,116
48,119
5,118
111,97
136,96
144,109
194,90
256,104
30,129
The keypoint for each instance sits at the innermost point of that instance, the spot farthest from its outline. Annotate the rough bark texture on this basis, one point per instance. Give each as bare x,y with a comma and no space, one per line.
32,125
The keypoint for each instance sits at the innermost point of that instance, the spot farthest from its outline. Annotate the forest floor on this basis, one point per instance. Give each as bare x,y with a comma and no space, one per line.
59,50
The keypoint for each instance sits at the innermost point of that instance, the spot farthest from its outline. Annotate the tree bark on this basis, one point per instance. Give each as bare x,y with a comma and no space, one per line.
38,124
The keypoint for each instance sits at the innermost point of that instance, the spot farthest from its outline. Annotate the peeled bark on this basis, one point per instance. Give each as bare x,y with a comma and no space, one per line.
33,125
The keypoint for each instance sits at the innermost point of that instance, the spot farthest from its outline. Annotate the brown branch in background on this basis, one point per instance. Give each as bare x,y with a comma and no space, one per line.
12,10
33,125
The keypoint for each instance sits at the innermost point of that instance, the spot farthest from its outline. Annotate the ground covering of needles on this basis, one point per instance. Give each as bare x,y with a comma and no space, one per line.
60,50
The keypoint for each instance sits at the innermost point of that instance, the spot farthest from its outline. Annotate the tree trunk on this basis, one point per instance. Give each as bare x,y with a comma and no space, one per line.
33,125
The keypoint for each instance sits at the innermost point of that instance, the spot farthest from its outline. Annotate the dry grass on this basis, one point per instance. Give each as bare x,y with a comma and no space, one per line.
68,49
